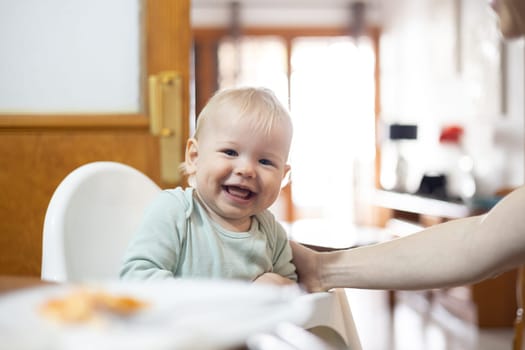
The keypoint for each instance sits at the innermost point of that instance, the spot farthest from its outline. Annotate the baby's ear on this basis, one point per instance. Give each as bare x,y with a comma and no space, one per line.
286,175
192,153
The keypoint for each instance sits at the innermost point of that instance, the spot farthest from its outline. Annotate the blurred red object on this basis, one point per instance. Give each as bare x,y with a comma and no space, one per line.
451,134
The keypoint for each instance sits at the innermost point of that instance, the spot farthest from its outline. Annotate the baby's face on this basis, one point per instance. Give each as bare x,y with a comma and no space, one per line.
238,171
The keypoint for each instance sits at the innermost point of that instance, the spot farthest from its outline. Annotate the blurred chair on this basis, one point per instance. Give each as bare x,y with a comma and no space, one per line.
90,219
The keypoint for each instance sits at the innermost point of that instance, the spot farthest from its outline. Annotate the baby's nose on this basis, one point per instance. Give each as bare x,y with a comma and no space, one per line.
245,168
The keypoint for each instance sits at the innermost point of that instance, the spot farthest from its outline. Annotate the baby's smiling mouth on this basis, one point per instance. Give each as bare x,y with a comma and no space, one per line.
239,192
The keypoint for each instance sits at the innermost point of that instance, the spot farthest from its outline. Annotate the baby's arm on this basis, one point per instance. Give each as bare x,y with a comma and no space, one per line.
153,251
283,270
148,257
273,278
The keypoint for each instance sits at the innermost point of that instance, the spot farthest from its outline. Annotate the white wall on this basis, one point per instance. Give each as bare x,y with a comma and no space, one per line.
437,70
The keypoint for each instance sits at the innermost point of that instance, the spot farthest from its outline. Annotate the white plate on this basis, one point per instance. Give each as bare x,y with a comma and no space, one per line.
183,314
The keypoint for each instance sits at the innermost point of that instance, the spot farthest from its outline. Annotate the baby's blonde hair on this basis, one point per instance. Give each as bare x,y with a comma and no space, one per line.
259,104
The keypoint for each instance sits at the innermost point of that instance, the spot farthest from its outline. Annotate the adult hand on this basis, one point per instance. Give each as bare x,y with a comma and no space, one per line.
306,262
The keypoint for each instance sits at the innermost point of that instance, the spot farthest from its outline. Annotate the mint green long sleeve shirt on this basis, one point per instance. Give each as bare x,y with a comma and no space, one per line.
178,239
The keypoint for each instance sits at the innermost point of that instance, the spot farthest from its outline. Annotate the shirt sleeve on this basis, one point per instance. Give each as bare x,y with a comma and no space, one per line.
281,250
283,258
154,250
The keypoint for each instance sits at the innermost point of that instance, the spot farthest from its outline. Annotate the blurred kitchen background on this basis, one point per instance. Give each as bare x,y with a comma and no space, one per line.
419,97
407,113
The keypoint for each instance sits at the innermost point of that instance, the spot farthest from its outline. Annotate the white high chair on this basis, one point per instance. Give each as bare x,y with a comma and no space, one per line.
90,219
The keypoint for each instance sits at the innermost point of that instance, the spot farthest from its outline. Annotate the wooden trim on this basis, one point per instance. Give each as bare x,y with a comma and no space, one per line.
73,121
206,71
167,44
208,33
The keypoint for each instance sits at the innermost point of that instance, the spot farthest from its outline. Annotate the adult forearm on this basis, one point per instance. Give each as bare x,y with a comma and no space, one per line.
444,255
453,253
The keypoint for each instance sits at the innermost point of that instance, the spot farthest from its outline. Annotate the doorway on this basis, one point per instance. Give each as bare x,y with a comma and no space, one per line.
328,81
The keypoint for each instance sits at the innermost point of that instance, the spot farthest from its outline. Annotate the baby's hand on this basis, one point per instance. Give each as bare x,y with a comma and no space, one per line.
273,278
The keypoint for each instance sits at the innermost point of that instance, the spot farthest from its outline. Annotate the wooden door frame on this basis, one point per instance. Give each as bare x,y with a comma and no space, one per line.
206,41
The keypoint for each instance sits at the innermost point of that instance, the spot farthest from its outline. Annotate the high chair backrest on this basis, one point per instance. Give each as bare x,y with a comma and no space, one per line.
90,219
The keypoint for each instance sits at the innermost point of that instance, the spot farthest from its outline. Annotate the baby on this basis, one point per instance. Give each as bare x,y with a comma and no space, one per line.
220,226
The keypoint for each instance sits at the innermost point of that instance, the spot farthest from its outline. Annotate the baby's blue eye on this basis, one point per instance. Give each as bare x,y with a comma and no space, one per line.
265,162
230,152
